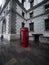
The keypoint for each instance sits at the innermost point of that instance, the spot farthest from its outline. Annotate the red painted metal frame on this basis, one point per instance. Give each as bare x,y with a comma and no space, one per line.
24,38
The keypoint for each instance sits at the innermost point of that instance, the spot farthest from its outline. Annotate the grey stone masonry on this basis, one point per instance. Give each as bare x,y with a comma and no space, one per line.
12,19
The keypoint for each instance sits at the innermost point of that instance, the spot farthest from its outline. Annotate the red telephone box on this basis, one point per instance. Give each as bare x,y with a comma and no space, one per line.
24,36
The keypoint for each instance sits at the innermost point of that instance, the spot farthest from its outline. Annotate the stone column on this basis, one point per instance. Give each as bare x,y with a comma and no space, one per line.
12,21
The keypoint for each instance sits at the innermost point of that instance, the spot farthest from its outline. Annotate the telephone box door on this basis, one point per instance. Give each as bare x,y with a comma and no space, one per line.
24,36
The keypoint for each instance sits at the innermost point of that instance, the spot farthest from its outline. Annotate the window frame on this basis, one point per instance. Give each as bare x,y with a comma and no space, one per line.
23,24
23,13
23,2
31,14
47,7
31,25
31,3
47,25
4,26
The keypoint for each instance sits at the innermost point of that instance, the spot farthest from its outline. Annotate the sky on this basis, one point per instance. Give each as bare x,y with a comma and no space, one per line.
0,2
27,5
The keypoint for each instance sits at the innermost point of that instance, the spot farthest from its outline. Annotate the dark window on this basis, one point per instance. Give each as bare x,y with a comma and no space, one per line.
31,4
47,6
4,21
4,26
31,25
23,24
4,12
23,2
23,13
47,24
31,14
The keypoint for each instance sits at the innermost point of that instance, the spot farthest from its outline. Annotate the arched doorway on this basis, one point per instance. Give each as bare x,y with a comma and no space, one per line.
4,26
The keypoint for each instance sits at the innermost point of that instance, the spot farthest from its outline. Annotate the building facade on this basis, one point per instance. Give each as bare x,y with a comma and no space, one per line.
36,19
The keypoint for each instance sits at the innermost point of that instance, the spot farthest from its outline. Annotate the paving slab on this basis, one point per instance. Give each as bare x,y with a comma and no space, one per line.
31,55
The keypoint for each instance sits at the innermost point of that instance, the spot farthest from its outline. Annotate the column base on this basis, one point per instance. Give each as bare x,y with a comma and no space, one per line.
14,37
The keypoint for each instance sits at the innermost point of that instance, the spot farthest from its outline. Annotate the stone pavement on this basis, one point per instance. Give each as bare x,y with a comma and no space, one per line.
12,54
